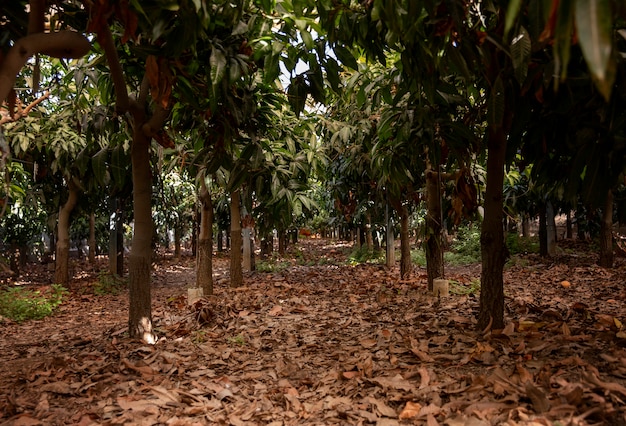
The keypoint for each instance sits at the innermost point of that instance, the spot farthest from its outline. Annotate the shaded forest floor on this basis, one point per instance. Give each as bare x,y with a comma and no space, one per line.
321,342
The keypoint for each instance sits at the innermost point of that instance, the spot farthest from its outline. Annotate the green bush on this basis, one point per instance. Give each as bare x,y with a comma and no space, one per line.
21,304
271,266
109,284
363,255
521,245
467,241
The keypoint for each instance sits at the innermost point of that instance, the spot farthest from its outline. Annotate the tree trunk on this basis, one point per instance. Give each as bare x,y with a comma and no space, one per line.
282,242
248,243
405,243
550,230
568,225
92,238
369,240
177,237
493,252
116,237
61,272
194,234
543,230
606,233
390,244
247,249
220,241
204,256
140,311
433,246
267,245
236,272
525,225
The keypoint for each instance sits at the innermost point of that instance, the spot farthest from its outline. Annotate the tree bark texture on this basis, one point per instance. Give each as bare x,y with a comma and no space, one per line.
390,244
62,270
550,229
177,237
405,242
543,230
140,312
204,256
433,247
493,253
92,238
236,240
282,242
606,233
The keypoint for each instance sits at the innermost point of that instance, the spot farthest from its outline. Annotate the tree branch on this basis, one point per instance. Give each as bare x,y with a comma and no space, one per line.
6,117
36,16
152,126
105,38
62,44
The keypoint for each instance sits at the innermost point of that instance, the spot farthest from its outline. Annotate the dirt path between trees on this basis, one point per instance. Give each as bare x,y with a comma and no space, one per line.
322,342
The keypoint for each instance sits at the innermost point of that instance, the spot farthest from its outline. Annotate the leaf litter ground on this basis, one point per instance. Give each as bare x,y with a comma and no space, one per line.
321,342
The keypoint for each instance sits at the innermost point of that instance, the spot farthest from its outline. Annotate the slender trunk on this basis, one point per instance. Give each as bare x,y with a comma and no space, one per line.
525,225
194,234
433,246
267,245
568,225
14,261
282,242
247,249
405,244
116,238
368,232
493,252
550,229
543,230
606,233
92,238
220,241
390,249
140,310
359,240
204,257
236,272
177,237
248,244
61,272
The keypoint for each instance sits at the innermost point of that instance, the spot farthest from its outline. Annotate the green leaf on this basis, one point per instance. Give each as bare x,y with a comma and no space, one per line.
307,39
218,66
563,37
346,57
272,69
594,24
511,14
520,54
99,165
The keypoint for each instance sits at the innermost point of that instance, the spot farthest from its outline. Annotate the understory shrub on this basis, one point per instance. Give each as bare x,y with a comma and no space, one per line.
109,284
21,304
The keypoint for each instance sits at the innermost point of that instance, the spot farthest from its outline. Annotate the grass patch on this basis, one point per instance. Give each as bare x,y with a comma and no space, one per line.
109,284
271,265
364,255
522,245
21,304
472,288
